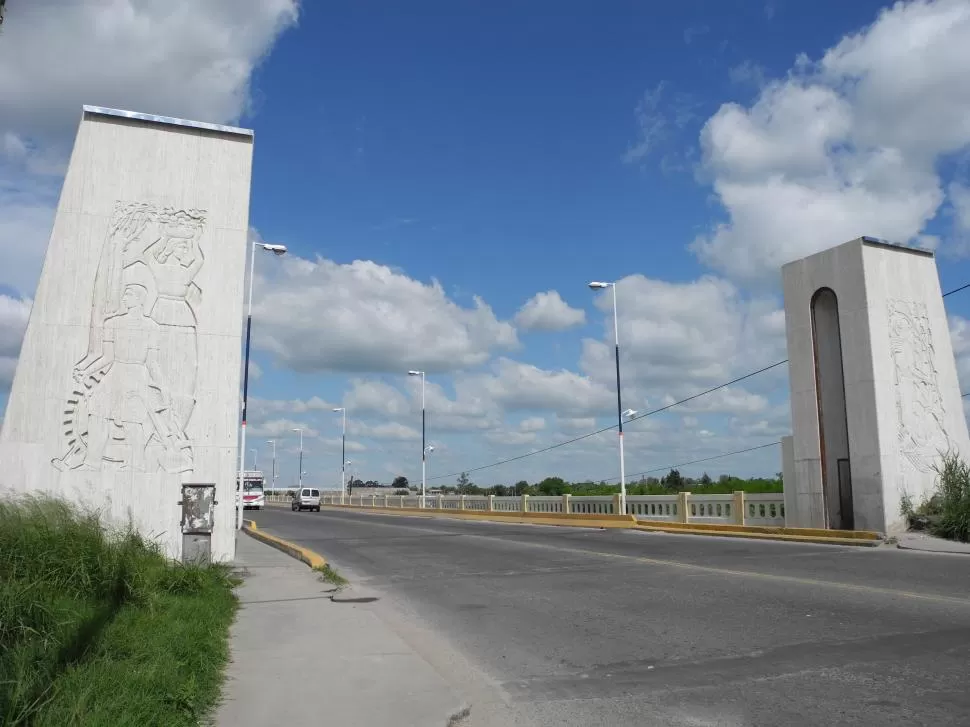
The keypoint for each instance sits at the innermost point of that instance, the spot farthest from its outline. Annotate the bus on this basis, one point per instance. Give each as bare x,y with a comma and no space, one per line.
253,497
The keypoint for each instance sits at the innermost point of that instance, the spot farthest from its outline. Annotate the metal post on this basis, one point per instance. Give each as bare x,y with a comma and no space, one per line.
424,448
242,433
301,459
619,405
343,458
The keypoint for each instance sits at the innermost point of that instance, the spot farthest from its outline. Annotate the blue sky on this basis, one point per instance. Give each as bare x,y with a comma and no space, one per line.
433,168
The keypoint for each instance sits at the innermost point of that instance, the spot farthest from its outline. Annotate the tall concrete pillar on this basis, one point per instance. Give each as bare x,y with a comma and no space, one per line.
874,392
127,387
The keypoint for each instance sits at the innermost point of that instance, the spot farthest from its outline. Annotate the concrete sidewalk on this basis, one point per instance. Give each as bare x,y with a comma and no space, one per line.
930,544
299,658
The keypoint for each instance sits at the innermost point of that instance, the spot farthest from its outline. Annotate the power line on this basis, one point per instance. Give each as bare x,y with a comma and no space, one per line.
698,461
647,414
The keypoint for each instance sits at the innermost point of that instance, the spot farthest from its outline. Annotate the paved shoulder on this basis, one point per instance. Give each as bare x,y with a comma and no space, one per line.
300,658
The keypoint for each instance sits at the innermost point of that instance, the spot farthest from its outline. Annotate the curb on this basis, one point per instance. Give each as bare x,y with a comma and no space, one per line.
533,518
860,538
783,537
305,555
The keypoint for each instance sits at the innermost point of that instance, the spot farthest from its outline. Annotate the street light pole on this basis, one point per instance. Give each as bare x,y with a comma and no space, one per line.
343,453
619,406
276,250
424,449
273,442
301,456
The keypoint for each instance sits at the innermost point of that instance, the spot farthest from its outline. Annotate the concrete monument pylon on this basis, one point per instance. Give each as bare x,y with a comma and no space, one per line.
874,393
127,386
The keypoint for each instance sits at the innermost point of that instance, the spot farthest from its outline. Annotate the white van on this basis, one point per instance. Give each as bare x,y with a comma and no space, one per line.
306,499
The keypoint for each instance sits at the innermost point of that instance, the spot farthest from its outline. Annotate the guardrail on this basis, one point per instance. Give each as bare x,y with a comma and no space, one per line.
738,508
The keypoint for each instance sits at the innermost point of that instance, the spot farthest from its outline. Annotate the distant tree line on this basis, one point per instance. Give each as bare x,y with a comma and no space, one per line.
673,481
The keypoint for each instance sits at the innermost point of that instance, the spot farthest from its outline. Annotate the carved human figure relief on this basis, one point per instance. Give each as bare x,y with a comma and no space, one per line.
135,388
919,403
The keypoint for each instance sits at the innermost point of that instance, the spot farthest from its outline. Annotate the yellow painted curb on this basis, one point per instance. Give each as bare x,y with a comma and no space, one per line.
764,529
756,532
762,536
314,560
577,520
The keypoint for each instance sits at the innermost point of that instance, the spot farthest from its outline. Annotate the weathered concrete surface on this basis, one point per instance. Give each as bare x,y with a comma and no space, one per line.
578,627
300,659
931,544
127,384
874,390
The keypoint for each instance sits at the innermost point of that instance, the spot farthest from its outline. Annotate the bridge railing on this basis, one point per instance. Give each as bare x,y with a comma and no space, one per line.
738,508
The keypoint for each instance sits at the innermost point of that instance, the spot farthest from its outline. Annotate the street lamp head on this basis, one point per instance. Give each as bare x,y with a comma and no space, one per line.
295,429
339,408
596,284
415,373
630,413
275,249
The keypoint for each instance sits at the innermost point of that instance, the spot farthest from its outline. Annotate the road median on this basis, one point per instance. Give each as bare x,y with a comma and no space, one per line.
630,522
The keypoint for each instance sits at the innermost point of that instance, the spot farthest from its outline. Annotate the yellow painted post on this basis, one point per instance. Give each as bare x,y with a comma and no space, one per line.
567,504
525,503
616,505
491,503
683,503
738,505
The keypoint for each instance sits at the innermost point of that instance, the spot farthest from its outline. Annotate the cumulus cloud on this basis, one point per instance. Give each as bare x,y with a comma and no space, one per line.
386,430
844,146
532,424
324,316
678,338
518,386
185,58
14,313
548,312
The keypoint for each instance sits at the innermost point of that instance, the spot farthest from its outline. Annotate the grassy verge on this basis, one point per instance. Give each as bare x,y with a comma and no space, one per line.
100,629
947,512
331,575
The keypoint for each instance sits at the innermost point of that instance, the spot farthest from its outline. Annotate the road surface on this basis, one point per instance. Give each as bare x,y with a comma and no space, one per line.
569,626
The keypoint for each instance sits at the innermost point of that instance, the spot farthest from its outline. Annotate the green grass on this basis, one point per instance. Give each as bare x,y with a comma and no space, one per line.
331,575
99,629
947,512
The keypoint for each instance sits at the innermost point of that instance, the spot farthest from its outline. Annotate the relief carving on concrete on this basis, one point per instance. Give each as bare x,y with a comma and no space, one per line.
920,425
135,388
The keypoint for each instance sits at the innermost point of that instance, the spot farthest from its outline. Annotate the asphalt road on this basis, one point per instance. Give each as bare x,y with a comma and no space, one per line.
603,627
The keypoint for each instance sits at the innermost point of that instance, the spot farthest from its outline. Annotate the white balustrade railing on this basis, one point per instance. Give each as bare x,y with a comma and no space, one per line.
738,508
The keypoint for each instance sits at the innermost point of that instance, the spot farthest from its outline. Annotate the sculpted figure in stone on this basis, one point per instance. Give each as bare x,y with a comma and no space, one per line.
919,403
135,386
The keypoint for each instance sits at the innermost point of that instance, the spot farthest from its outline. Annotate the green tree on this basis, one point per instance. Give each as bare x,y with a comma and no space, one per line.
673,480
552,486
401,482
705,479
521,487
464,484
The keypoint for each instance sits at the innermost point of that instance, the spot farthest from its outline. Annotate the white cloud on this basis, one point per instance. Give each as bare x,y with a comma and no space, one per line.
843,147
376,319
532,424
282,427
548,312
185,58
517,386
188,58
508,437
13,322
368,397
572,425
386,430
679,338
659,114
